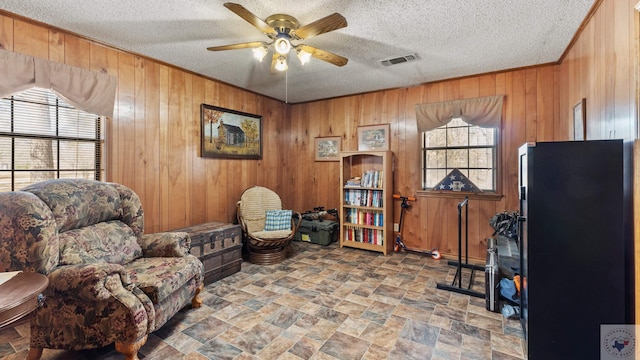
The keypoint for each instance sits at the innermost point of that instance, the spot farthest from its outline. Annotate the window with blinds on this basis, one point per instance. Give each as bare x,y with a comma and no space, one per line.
42,137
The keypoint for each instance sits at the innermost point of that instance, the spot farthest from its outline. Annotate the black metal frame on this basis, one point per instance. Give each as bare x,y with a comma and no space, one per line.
459,264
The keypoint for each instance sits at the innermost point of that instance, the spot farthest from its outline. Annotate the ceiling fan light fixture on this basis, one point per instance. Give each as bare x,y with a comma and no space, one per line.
282,44
259,53
281,64
304,56
282,29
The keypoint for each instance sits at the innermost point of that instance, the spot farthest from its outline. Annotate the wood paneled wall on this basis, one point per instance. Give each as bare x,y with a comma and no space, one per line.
601,67
153,139
529,115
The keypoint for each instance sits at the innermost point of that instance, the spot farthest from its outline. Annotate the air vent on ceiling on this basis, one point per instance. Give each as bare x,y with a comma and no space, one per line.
399,60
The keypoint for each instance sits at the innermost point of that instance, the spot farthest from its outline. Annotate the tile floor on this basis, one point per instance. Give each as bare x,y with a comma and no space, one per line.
323,303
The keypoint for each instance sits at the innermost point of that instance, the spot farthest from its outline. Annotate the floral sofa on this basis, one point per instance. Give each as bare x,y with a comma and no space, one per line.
108,282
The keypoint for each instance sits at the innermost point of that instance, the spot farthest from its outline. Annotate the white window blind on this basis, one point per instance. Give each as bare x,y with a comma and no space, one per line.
43,137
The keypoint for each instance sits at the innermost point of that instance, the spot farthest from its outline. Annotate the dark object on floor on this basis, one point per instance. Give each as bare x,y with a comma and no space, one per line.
505,223
508,256
492,277
322,232
320,214
508,291
511,311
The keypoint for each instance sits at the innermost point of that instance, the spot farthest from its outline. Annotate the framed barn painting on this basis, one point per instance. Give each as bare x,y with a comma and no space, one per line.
229,134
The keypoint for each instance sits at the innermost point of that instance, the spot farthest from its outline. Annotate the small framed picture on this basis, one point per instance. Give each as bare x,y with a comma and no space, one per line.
580,120
328,148
373,137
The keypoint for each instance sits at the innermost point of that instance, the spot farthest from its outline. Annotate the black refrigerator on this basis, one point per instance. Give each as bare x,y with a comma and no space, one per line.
576,248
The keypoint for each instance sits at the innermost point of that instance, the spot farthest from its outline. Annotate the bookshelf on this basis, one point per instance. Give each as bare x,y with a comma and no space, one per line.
366,206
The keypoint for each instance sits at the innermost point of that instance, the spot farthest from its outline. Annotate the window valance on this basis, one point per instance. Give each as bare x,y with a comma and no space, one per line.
482,111
87,90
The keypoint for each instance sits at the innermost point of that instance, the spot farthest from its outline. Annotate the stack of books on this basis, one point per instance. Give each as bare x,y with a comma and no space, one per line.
355,182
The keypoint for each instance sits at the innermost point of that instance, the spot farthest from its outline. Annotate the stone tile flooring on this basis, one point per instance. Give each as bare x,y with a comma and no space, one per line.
324,303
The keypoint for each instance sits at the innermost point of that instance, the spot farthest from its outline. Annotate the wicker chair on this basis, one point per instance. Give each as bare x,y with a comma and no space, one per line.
265,246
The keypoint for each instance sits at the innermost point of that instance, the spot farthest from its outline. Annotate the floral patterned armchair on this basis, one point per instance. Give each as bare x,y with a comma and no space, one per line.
108,282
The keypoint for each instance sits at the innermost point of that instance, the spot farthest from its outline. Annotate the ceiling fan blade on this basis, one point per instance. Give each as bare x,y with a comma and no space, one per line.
274,59
324,55
250,18
253,44
332,22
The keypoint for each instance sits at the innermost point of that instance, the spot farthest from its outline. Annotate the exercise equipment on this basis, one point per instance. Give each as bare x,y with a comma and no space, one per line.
399,244
456,285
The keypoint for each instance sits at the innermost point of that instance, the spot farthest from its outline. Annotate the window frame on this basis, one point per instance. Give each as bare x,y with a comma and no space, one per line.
494,194
98,140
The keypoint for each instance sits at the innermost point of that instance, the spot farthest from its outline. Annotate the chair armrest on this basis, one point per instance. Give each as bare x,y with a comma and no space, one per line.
88,281
165,244
241,222
296,220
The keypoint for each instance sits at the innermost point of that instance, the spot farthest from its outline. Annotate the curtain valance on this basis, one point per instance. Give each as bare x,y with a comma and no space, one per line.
87,90
482,111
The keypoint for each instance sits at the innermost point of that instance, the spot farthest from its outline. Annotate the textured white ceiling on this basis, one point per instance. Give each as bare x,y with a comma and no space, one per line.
451,38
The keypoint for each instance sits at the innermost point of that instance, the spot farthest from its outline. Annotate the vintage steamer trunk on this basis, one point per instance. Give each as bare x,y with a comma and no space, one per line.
219,247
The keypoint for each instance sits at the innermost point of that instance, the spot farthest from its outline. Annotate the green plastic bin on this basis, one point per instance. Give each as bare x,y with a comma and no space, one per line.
317,232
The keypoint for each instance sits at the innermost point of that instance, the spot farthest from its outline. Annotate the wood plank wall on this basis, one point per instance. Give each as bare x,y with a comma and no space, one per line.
601,67
153,139
432,221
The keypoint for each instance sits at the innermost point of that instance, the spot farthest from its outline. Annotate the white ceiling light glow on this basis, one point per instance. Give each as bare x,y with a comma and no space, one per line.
282,45
281,63
259,53
304,56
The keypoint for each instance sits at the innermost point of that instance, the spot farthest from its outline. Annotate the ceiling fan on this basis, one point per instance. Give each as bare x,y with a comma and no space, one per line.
282,29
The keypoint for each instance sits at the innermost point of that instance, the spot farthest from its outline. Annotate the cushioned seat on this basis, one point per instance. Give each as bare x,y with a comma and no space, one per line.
267,228
160,277
108,282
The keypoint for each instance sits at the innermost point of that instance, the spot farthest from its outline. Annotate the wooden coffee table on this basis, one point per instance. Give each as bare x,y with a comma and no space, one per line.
20,295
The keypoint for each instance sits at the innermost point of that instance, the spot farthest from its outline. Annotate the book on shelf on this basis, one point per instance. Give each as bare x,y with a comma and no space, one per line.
369,179
363,217
361,197
372,178
363,235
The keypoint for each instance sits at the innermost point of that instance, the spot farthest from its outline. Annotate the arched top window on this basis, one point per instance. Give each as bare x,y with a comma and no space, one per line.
463,135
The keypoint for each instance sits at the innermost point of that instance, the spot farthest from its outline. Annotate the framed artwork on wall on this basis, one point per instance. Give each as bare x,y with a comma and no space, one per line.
373,137
327,148
229,134
580,120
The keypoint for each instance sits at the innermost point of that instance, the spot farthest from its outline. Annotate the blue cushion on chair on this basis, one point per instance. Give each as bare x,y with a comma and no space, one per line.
278,220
